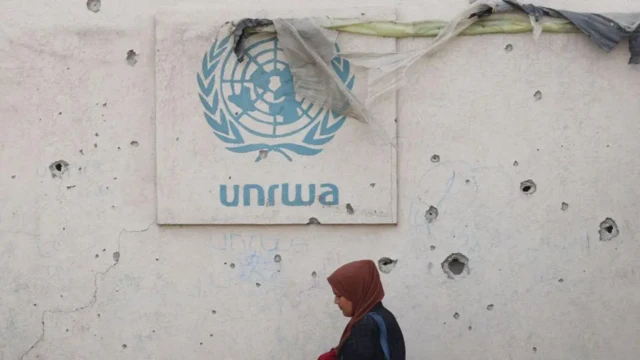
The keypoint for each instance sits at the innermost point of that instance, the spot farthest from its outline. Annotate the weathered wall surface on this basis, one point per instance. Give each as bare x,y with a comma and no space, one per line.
86,274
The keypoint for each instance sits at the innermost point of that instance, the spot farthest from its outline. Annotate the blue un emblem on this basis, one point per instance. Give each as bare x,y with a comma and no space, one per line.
252,106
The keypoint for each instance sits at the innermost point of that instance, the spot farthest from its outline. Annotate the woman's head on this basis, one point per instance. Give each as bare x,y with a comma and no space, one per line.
356,287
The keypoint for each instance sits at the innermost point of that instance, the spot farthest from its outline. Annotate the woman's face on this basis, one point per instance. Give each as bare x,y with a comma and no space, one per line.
345,305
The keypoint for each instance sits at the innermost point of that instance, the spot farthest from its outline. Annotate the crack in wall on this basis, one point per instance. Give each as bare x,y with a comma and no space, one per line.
94,297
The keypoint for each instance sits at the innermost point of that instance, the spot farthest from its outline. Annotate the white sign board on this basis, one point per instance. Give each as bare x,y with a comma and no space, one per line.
236,145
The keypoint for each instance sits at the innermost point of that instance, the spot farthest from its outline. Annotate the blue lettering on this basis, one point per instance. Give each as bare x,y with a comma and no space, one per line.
333,191
224,199
247,194
329,196
297,200
271,200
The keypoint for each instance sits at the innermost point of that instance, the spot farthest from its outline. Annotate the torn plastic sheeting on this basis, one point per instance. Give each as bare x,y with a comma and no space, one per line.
309,47
605,30
242,30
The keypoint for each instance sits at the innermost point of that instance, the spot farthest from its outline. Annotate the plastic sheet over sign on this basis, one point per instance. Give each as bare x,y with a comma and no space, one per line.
310,47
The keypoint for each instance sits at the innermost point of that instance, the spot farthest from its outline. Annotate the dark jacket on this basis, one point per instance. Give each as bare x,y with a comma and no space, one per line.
363,342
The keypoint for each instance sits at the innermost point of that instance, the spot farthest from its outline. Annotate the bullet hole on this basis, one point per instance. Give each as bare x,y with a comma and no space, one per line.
157,259
313,221
98,315
116,256
124,346
232,265
350,210
470,328
13,176
467,181
103,250
210,335
58,168
435,158
456,316
314,274
262,154
508,48
131,57
93,5
67,330
564,206
535,349
515,163
95,146
134,143
97,135
455,264
528,187
201,344
432,247
386,264
70,187
490,307
258,284
372,184
608,229
431,215
214,312
277,258
560,280
104,104
97,256
35,305
537,95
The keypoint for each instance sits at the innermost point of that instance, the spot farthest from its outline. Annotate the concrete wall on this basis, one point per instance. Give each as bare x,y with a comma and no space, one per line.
86,274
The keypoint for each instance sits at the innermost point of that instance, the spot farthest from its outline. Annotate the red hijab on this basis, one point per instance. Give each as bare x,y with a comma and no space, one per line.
359,282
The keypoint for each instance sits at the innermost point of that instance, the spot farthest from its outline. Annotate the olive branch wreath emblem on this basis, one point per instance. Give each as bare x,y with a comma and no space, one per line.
225,128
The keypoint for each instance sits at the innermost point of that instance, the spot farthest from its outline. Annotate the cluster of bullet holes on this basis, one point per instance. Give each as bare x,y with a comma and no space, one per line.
350,210
435,158
94,5
132,57
386,264
455,265
528,187
608,229
431,214
58,168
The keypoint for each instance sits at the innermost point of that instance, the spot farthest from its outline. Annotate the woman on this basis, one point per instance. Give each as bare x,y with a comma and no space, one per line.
372,332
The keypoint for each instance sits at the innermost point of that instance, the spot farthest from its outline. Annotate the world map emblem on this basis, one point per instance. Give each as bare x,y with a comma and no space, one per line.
252,106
